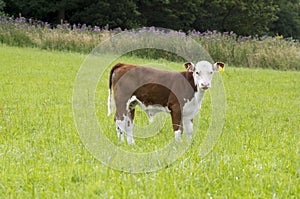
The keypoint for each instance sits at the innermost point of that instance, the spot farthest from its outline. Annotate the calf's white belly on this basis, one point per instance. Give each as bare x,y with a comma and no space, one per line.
151,110
190,108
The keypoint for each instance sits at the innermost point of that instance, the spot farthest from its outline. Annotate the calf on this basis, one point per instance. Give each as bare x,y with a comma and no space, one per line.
178,93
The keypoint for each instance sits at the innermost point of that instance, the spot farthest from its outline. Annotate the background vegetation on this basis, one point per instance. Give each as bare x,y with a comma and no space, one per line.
241,33
264,17
247,51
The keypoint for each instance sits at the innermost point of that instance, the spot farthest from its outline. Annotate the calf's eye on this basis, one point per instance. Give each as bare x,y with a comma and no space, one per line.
197,73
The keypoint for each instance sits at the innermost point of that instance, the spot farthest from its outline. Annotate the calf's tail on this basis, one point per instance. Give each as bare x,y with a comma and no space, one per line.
110,101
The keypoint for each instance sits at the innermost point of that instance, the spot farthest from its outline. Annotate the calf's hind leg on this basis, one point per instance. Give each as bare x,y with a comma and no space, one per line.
124,123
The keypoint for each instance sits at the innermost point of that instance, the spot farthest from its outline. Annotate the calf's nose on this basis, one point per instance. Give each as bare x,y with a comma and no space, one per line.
205,85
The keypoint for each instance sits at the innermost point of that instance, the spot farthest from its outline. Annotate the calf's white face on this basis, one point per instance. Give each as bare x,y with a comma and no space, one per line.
203,72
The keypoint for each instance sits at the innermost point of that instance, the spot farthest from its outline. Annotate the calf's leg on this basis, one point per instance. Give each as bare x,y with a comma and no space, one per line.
188,127
176,122
124,122
125,125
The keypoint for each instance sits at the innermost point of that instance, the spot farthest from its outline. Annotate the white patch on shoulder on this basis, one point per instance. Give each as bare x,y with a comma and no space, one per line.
151,110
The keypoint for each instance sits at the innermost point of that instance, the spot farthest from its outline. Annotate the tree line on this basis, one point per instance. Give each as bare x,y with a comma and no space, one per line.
243,17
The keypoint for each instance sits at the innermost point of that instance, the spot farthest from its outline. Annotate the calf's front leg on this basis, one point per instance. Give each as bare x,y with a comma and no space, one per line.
176,122
188,128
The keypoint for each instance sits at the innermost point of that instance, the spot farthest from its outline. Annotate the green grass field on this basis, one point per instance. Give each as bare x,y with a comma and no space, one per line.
42,156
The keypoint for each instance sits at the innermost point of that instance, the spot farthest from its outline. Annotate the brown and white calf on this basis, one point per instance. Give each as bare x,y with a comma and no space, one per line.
178,93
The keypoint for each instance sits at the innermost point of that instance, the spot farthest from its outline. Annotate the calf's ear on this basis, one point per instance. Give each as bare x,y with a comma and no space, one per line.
219,67
190,67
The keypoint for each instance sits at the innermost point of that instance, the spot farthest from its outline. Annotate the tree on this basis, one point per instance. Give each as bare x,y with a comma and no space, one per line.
114,13
243,17
288,22
240,16
174,14
50,11
2,5
93,12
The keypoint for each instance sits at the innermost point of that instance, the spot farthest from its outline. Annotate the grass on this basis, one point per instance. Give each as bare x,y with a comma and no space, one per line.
42,156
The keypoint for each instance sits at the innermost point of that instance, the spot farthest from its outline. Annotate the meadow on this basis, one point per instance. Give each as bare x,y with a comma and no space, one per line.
42,155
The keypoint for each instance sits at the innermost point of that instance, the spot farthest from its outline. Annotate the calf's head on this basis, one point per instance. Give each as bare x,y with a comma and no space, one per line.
203,72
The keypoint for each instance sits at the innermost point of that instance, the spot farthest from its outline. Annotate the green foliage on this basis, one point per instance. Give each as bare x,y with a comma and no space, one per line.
2,5
114,13
288,19
11,35
20,32
173,14
252,52
243,17
42,155
240,16
49,11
